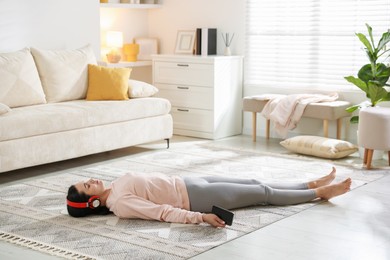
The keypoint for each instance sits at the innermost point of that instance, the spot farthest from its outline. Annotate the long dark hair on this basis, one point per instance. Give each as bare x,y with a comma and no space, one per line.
75,196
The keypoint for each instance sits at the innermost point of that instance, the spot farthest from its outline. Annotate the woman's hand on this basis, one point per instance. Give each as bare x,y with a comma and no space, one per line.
213,220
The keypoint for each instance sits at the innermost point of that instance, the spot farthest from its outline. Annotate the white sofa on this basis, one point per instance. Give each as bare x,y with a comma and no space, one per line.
45,118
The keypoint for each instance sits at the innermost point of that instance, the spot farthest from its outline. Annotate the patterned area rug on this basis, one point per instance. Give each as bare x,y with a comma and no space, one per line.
33,213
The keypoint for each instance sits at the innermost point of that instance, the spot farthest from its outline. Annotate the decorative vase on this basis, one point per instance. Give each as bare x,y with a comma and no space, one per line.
227,51
131,51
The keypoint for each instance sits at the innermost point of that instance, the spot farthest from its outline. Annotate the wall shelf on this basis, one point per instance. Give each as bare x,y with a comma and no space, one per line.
126,64
131,6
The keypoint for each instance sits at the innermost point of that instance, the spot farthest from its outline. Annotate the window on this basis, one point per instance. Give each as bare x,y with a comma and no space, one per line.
309,44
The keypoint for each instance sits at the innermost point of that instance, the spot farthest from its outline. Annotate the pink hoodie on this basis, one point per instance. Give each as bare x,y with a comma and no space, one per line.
157,197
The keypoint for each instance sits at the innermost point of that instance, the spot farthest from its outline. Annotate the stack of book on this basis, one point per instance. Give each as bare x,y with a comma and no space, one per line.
206,41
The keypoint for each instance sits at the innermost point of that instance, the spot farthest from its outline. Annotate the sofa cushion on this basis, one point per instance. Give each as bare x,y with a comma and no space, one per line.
77,114
4,109
64,73
319,146
107,83
20,83
139,89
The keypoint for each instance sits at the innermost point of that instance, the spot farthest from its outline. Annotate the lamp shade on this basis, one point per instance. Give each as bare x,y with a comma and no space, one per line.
114,39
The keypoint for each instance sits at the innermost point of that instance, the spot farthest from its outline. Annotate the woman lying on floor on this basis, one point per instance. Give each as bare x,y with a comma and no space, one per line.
190,199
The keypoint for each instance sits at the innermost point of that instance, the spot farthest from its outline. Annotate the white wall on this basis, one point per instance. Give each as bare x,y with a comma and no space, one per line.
49,24
228,16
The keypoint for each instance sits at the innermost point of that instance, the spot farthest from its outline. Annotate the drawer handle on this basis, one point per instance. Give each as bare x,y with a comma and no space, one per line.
183,110
183,65
182,87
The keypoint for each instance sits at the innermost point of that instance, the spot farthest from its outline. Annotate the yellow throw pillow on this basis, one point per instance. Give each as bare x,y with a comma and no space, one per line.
107,83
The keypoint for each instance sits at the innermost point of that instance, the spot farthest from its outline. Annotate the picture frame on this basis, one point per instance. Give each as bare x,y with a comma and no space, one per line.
147,48
185,41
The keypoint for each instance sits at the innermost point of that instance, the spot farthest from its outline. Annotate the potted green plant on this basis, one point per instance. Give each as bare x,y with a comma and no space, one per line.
372,78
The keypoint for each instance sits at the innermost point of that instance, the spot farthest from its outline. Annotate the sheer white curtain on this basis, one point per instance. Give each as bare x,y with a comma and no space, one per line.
309,44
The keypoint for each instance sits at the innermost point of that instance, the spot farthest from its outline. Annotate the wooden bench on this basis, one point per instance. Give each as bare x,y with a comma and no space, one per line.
326,111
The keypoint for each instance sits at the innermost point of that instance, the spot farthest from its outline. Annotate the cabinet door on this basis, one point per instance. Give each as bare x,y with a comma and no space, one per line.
195,74
187,96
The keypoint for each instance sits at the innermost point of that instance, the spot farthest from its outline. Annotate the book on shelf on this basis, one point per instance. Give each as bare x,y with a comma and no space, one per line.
206,41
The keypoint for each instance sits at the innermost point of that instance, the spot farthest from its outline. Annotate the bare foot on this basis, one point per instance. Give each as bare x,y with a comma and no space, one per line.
323,181
330,191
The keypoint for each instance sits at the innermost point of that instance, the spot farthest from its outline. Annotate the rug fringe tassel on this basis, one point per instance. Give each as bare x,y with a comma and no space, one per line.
42,247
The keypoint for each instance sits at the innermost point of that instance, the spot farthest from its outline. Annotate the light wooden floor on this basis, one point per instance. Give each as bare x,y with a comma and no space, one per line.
353,226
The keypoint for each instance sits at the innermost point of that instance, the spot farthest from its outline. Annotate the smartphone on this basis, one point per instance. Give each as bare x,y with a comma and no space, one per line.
223,214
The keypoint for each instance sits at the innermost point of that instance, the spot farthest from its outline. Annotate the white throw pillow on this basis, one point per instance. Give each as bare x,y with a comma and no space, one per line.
319,146
138,89
19,80
64,73
4,109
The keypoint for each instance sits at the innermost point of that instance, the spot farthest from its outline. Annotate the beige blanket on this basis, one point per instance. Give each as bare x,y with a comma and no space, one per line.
286,110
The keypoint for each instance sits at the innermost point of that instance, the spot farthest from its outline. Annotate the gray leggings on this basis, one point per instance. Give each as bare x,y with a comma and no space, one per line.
232,193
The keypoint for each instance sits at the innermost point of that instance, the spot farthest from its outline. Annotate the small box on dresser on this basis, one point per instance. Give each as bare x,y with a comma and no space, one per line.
205,93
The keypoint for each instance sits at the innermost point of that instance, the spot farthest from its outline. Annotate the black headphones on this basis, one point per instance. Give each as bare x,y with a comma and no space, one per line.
93,203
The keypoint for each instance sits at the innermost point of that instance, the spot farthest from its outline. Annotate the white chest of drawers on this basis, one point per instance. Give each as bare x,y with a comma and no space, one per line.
205,93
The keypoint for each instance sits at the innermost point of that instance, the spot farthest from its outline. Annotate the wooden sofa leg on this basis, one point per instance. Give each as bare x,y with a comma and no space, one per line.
339,125
267,128
254,122
167,139
325,127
